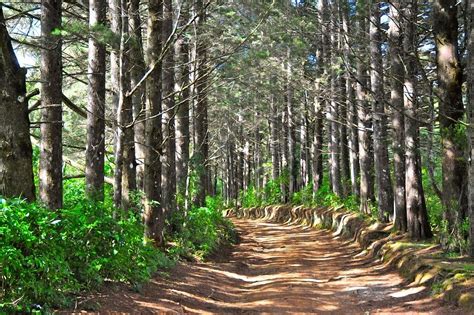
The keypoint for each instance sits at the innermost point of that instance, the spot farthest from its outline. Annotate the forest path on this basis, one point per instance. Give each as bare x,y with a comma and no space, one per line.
280,269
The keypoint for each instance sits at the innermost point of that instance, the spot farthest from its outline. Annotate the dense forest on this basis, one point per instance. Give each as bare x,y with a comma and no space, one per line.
127,126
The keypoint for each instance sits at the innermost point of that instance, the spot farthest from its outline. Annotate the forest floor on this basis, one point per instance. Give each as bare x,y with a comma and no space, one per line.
278,269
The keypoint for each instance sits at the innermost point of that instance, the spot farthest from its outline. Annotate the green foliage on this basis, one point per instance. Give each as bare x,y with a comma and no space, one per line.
304,196
272,192
200,231
47,256
251,197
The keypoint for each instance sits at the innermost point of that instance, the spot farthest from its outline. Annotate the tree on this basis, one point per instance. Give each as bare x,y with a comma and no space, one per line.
445,28
169,111
201,150
417,216
183,85
137,70
95,151
364,116
470,73
153,213
398,123
16,165
51,148
382,167
125,174
333,110
351,109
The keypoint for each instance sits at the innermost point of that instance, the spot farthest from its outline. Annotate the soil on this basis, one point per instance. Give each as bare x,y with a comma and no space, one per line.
277,269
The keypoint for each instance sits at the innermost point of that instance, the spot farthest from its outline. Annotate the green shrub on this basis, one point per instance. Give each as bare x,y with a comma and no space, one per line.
47,256
200,231
251,198
272,192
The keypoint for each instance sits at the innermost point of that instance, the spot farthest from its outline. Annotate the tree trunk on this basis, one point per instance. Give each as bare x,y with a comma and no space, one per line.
343,126
201,150
364,120
51,154
333,113
95,151
137,63
292,161
153,214
417,217
319,101
182,115
275,141
382,167
445,28
470,84
125,175
398,123
116,28
168,179
16,161
351,110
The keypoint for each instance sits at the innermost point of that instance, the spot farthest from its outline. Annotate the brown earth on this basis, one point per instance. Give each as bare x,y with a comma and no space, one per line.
278,269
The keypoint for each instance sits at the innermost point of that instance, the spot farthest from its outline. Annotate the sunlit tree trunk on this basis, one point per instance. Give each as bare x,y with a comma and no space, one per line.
445,28
470,84
417,216
398,123
275,141
364,117
351,109
382,166
334,135
95,151
153,214
51,153
342,118
124,174
16,165
116,28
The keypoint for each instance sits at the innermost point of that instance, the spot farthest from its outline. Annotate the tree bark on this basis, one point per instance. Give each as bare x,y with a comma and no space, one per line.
201,150
275,141
398,123
364,119
319,102
291,136
153,214
417,216
470,84
334,135
182,115
351,109
168,179
125,175
137,70
445,28
51,159
382,167
16,154
95,151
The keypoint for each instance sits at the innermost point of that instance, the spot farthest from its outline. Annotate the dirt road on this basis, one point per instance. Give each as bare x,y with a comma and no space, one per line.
280,269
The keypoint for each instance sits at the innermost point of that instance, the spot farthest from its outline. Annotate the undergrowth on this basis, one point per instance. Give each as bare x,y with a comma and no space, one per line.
199,232
48,257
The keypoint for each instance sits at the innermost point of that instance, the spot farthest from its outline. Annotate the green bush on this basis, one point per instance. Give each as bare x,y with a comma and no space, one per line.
200,231
46,256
